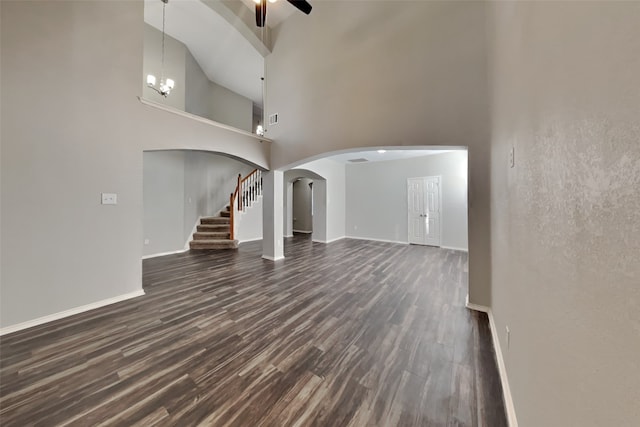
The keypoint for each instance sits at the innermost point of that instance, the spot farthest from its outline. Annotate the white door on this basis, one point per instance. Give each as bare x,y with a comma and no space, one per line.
424,210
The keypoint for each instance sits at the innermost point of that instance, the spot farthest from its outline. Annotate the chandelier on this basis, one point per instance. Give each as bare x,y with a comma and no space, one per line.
165,85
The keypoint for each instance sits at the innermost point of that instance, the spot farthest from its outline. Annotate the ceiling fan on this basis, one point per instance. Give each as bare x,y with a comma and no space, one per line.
261,9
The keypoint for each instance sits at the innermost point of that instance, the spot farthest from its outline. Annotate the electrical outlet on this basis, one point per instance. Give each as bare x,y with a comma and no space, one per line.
109,199
512,157
508,336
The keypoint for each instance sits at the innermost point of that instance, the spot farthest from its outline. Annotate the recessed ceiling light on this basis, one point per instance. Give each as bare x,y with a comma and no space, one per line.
382,151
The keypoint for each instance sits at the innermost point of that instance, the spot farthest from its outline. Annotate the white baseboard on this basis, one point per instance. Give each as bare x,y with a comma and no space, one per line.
375,240
250,240
286,236
271,258
328,241
506,390
453,248
70,312
165,253
476,307
302,231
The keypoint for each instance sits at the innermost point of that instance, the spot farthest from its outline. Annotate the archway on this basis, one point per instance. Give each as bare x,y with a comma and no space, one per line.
319,201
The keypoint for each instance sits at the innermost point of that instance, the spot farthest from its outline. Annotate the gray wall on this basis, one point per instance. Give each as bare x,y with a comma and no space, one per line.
197,88
377,197
163,197
212,101
418,77
194,92
65,143
566,219
174,67
180,187
228,107
301,198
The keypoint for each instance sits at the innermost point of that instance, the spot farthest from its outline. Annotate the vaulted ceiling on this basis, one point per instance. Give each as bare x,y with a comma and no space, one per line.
225,55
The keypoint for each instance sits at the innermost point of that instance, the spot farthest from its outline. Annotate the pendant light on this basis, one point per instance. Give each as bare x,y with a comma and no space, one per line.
165,84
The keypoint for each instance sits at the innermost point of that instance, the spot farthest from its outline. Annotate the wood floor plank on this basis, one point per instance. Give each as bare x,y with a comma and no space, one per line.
352,333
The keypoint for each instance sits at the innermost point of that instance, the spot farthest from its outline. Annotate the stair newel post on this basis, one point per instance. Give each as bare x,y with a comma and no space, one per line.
238,189
231,209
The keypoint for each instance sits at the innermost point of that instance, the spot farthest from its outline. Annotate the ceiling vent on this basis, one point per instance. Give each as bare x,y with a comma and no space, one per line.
360,160
273,119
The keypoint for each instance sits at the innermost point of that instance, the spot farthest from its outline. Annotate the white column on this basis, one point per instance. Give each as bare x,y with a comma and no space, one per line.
288,209
272,215
320,211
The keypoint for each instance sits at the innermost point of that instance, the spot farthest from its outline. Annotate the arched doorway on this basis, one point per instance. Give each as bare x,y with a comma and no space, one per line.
305,204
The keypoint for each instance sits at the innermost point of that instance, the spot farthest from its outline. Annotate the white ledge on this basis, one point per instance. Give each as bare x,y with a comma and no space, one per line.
200,119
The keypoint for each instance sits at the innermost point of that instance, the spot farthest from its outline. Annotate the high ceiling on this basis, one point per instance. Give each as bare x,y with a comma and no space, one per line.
377,156
276,12
225,56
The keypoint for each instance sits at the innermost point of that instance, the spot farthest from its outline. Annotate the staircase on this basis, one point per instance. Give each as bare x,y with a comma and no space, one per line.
214,233
217,232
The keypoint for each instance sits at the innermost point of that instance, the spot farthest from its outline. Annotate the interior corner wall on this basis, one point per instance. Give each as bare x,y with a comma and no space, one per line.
377,197
565,220
207,99
174,67
226,106
197,91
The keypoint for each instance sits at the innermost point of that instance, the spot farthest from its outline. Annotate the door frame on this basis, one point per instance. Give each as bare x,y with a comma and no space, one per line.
440,215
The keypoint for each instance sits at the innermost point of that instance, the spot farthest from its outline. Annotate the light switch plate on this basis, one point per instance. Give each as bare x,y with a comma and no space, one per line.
109,199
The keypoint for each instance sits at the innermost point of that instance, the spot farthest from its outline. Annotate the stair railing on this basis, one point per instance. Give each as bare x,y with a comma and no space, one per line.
247,191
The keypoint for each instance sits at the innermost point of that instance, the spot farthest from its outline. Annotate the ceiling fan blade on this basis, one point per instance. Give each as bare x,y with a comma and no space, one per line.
261,13
301,5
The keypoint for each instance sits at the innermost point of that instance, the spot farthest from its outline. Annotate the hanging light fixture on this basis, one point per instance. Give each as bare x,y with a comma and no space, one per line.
165,84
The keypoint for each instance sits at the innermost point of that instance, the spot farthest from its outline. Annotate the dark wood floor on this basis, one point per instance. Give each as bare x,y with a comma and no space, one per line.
352,333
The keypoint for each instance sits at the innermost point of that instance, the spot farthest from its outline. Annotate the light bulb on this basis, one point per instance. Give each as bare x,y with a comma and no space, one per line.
151,80
170,83
260,130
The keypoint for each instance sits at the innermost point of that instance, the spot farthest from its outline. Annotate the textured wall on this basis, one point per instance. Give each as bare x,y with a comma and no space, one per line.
566,219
